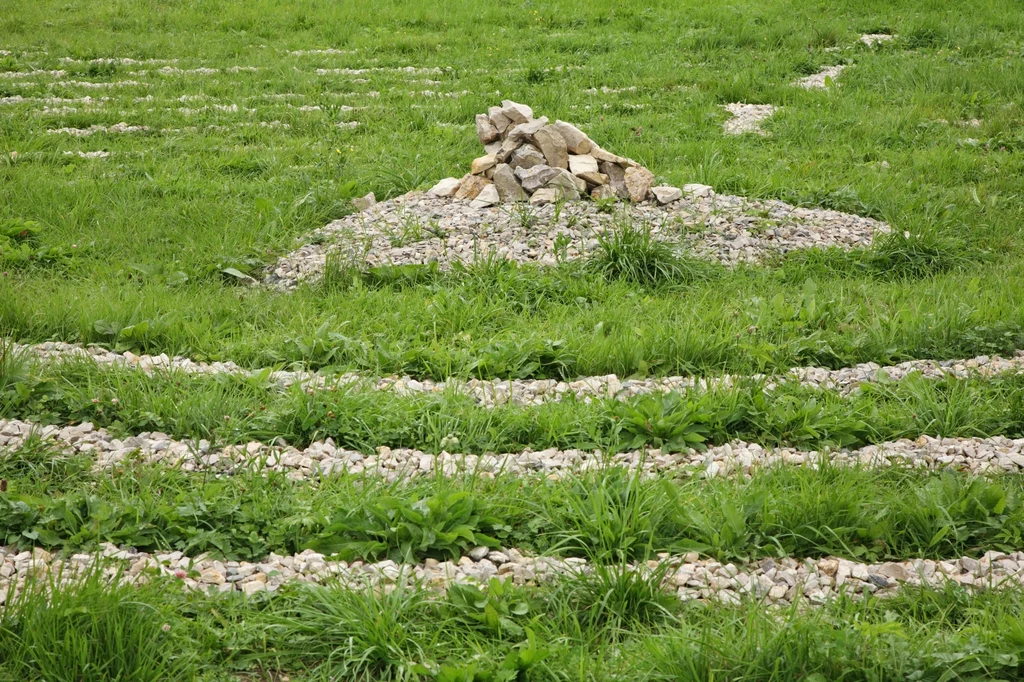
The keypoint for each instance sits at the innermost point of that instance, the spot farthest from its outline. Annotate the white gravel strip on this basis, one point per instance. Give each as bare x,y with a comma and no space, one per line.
85,84
323,458
490,393
772,581
418,229
117,128
8,75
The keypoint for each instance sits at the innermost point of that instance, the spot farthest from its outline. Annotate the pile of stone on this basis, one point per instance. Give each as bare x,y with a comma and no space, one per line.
781,581
531,159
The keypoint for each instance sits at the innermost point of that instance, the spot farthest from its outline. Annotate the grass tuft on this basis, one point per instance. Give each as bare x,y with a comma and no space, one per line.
87,631
630,252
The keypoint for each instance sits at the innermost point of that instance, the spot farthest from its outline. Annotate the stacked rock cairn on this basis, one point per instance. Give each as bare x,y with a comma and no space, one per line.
531,159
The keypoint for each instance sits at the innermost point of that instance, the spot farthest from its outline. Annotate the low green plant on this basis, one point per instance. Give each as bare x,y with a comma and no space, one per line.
498,608
521,664
442,526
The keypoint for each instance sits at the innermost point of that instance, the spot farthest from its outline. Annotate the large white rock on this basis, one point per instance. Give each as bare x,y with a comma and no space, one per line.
485,129
488,197
575,139
535,177
504,180
549,195
638,183
445,188
527,156
552,146
483,163
582,163
524,131
698,190
565,179
500,121
666,194
515,112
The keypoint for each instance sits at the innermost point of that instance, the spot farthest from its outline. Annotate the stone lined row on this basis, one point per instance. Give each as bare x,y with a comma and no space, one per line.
492,392
325,458
779,582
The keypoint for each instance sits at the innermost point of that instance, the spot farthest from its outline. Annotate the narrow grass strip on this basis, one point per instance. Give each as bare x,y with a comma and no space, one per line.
324,458
232,409
610,514
490,392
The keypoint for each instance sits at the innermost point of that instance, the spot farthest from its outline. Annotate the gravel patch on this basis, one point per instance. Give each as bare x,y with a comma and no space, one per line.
781,582
117,128
489,393
817,81
88,155
86,84
747,118
873,39
418,228
324,458
8,75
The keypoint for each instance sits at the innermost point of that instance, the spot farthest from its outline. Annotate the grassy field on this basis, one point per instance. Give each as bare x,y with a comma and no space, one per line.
248,125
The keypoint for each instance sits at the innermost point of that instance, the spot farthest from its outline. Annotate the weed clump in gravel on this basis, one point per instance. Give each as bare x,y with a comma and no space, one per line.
630,252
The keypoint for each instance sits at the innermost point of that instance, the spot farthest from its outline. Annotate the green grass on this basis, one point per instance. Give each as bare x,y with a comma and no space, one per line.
234,409
609,515
150,250
235,199
324,633
91,631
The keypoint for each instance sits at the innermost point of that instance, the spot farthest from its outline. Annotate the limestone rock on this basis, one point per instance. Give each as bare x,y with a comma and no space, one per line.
666,194
499,120
698,191
493,147
471,187
552,146
508,147
895,571
517,113
566,180
549,195
603,155
363,203
483,163
488,196
535,177
602,192
582,163
524,131
616,177
593,178
575,139
638,183
445,188
504,179
527,156
485,129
